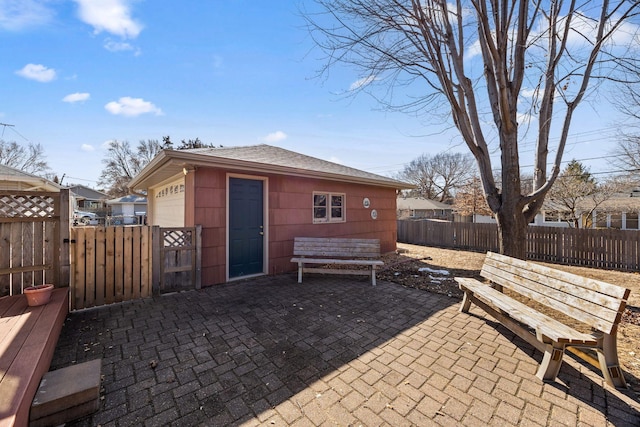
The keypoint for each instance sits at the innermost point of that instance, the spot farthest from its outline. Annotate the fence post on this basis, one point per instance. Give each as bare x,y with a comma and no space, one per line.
198,255
64,272
156,242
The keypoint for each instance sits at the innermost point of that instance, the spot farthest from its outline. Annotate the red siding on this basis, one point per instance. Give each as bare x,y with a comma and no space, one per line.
290,215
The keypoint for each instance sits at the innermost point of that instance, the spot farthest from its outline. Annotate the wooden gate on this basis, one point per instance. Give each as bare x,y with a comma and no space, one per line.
177,258
109,264
34,231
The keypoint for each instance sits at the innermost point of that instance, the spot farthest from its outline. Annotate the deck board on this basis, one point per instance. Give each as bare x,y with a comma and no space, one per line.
27,342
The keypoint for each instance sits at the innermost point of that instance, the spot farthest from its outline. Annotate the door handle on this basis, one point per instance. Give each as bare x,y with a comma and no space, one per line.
262,233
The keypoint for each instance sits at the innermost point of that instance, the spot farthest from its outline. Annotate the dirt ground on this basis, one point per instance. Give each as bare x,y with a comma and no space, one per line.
433,269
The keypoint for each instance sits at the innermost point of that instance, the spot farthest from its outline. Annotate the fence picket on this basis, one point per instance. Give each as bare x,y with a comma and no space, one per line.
101,265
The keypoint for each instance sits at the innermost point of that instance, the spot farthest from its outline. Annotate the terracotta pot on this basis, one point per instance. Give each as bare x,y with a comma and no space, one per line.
38,295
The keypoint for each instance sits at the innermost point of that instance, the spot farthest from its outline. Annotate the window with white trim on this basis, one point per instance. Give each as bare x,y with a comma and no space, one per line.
328,207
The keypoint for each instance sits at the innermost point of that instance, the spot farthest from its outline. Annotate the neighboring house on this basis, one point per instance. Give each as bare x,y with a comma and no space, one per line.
619,212
130,209
88,199
16,180
252,201
417,207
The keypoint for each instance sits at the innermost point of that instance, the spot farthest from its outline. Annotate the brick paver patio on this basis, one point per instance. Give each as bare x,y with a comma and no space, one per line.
332,351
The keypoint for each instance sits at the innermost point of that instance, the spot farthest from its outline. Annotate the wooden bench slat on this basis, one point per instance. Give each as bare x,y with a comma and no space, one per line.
337,261
595,315
548,326
557,282
335,271
599,286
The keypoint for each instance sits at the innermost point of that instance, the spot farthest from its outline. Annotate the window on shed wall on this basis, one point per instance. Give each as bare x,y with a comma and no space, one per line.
328,207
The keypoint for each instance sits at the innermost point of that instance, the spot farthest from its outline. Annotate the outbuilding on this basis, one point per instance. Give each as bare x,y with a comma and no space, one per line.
252,201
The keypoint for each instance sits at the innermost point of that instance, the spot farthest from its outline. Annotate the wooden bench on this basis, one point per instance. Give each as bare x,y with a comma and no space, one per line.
28,337
596,305
336,251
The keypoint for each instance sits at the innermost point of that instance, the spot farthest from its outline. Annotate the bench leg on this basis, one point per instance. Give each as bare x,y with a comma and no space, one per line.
300,266
550,365
373,275
466,303
608,358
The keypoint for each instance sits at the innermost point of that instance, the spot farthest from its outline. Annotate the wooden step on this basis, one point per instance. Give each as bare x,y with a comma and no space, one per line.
67,394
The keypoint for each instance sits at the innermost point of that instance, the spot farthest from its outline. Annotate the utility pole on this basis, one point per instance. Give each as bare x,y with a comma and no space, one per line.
4,126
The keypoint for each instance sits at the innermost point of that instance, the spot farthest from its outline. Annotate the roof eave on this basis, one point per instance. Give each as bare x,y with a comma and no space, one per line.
181,159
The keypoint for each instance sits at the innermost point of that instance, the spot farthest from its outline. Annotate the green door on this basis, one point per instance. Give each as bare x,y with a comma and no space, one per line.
246,228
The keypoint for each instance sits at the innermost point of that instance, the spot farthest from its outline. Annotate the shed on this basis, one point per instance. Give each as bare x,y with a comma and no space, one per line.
252,201
16,180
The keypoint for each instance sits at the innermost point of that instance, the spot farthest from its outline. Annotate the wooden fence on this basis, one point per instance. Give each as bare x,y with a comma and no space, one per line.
34,236
114,264
600,248
109,264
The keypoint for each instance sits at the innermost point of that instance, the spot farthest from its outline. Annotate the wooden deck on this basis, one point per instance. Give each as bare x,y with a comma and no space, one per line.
28,337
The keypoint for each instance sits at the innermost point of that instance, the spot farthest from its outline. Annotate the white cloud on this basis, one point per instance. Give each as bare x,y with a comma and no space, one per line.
275,136
361,82
132,107
112,16
16,15
87,147
113,46
335,160
37,72
76,97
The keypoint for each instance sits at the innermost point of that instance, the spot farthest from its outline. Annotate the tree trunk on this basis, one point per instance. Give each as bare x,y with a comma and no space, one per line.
512,232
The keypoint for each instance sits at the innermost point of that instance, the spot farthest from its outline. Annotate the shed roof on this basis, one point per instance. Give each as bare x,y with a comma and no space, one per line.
256,158
84,192
420,203
10,174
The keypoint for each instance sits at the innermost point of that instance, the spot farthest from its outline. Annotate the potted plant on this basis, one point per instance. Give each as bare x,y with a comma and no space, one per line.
38,294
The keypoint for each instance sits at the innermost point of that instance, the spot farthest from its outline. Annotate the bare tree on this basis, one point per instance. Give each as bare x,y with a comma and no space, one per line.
480,59
470,199
29,159
627,151
437,177
122,163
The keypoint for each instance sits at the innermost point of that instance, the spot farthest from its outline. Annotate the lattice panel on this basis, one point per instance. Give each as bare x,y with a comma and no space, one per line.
178,238
26,206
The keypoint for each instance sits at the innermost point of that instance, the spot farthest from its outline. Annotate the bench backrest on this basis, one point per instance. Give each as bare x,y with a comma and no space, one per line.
331,247
593,302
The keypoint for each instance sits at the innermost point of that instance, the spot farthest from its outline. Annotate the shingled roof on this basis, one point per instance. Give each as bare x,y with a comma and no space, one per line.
259,158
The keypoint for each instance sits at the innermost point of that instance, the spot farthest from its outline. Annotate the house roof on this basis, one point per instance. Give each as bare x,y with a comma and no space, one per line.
34,182
419,203
127,199
256,158
84,192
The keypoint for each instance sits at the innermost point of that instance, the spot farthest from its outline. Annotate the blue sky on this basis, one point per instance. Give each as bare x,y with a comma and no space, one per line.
74,76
